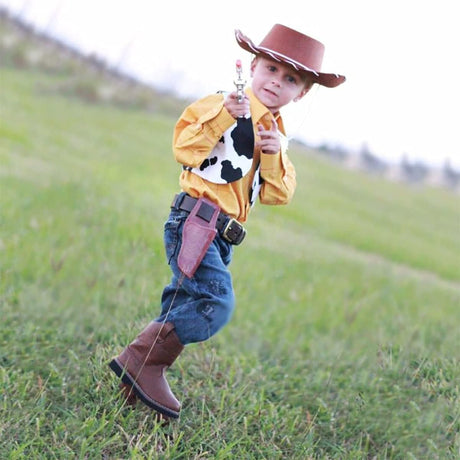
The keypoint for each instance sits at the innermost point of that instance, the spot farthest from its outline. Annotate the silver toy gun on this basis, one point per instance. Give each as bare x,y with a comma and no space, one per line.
239,82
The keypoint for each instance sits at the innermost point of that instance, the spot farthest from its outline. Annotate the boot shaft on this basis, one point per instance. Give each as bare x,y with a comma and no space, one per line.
157,344
141,366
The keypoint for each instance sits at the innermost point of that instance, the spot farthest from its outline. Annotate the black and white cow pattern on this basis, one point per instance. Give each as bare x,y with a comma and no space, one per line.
255,188
231,158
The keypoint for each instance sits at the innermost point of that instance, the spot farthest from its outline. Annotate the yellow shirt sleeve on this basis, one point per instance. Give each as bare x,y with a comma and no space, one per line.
279,177
199,129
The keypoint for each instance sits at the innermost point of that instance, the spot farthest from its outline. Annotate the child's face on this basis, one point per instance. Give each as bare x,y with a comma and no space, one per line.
276,84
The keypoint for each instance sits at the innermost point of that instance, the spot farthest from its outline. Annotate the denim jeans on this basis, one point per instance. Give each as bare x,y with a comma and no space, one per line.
199,307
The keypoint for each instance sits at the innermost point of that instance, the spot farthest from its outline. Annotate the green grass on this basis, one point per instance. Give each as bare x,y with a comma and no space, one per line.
344,343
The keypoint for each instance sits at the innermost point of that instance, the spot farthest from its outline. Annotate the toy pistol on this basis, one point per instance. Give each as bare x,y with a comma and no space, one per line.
239,82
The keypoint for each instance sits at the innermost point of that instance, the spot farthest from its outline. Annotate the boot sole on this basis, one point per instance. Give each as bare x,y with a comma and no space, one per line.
126,378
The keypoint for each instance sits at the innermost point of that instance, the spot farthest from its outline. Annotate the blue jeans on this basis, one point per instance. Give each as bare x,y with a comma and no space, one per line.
199,307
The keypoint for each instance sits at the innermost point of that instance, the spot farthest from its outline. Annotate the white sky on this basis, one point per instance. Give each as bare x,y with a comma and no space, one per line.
400,58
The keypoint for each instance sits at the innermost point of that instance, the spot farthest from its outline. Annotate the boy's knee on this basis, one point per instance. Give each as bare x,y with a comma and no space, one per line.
217,313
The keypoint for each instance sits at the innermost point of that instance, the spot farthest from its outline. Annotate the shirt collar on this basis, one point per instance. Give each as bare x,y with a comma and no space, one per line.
259,111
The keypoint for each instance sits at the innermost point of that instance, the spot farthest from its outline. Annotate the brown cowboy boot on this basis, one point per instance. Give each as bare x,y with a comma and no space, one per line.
141,366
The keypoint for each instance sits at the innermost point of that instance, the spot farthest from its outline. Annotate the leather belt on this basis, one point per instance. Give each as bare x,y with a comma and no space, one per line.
230,229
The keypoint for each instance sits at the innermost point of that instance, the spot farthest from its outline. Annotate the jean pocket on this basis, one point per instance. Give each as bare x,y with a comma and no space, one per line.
173,234
225,249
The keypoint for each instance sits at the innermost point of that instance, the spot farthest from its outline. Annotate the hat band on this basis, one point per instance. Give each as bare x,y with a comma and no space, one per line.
296,64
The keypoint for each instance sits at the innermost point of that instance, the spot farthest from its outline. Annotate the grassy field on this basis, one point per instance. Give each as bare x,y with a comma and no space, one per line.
345,339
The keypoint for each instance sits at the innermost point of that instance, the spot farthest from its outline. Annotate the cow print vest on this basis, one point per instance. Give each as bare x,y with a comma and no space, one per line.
231,158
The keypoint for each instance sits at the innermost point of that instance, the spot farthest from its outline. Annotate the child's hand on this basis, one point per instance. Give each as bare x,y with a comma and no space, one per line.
269,139
236,109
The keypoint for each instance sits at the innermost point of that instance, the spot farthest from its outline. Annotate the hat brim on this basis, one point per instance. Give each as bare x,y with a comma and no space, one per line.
329,80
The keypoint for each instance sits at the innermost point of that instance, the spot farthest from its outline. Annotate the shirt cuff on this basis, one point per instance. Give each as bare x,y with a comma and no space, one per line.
270,162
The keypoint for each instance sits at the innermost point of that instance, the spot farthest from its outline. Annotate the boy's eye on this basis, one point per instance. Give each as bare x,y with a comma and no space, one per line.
291,79
272,68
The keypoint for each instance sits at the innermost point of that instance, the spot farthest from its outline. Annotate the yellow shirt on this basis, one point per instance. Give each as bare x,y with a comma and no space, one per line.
198,130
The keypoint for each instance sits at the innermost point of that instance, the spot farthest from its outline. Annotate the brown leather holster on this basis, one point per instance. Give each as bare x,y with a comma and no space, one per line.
198,233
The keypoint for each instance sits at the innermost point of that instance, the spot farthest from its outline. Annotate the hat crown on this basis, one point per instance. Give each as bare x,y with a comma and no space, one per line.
303,53
295,46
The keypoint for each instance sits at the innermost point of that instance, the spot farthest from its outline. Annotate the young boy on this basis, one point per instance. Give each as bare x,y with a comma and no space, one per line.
233,150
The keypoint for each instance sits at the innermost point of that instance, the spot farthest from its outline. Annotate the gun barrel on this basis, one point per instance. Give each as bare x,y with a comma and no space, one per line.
239,82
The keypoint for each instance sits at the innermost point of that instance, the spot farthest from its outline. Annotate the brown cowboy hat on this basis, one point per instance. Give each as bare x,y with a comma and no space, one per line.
286,45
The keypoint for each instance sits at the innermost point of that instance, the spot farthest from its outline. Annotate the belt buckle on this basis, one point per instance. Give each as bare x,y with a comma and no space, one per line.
234,232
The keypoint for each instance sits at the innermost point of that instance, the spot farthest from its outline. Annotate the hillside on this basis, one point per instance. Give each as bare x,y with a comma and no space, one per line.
91,78
344,343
